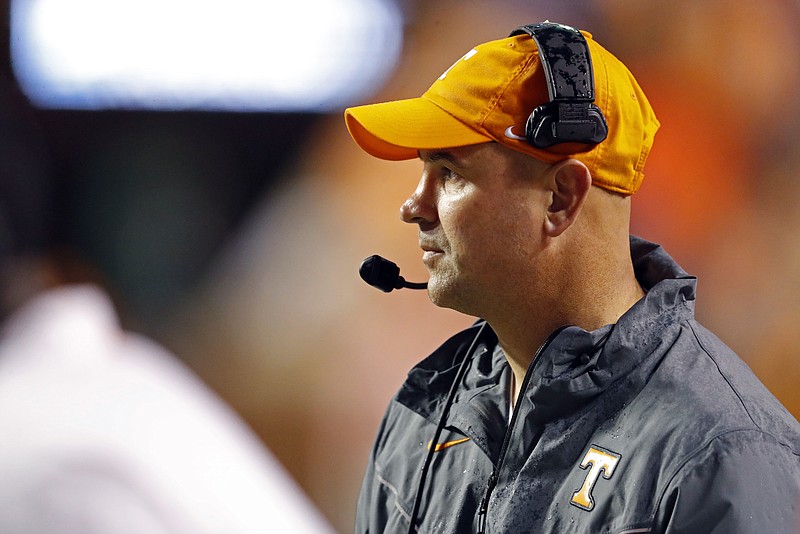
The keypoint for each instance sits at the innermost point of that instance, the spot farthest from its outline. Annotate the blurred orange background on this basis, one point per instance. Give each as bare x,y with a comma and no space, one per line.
282,327
286,330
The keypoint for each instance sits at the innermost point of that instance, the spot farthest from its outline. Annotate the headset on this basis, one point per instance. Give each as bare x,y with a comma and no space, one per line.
571,115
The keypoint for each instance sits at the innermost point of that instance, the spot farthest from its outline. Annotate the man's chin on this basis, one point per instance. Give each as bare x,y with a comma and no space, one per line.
444,294
437,291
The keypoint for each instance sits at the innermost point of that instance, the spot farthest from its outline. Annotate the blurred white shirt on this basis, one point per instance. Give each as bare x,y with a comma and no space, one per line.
103,432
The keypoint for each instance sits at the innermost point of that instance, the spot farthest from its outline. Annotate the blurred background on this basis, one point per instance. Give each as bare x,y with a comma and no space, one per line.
204,168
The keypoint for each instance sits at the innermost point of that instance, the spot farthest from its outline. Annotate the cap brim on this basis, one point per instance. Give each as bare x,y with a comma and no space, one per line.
398,130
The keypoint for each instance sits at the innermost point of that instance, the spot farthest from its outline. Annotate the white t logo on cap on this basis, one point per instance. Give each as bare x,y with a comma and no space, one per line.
463,58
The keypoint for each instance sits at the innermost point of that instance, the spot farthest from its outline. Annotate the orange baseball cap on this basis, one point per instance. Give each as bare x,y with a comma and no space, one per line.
488,95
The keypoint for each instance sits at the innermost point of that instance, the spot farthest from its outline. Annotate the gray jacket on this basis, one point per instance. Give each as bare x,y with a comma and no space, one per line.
648,425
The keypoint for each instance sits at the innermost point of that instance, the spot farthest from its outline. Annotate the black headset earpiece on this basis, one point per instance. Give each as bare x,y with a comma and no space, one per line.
571,115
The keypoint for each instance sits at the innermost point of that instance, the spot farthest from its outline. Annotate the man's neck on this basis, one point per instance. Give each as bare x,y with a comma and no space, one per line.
521,335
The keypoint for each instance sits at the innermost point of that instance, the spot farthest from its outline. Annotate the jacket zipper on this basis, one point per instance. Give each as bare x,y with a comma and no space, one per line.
492,481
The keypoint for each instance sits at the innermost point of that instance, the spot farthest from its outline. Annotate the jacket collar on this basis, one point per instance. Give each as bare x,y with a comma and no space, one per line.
430,380
579,365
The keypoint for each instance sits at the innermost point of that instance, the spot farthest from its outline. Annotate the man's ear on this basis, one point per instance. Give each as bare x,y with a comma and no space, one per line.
570,183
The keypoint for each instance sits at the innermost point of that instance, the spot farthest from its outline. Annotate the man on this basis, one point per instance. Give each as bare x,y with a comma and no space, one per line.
103,431
589,400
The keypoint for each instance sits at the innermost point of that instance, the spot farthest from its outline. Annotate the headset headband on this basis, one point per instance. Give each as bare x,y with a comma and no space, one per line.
571,115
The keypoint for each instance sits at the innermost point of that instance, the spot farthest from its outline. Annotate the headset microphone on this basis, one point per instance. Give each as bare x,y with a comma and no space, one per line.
385,275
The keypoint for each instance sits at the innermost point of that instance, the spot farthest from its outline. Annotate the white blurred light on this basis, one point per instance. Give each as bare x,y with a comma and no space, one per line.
244,55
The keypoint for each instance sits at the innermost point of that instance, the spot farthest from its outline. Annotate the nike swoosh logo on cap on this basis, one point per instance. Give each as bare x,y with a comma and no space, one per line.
446,444
511,135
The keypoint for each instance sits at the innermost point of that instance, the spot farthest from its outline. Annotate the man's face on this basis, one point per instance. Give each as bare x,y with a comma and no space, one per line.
480,211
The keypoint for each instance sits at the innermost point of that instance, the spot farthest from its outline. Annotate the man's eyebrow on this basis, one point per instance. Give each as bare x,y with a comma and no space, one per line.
440,155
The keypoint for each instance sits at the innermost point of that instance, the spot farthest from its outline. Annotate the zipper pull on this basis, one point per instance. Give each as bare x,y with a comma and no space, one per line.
484,507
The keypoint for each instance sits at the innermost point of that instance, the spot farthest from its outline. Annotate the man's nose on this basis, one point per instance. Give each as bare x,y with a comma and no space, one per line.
420,207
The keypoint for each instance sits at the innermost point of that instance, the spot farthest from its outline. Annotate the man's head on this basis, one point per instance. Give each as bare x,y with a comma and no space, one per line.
495,211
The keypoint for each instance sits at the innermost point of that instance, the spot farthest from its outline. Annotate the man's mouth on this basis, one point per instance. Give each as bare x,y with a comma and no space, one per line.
430,252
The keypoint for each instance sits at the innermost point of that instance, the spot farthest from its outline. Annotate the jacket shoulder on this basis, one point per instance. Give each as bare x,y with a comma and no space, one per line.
741,481
743,401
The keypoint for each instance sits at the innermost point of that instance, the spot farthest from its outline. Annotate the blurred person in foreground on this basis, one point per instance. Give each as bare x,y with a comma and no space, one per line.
103,431
586,398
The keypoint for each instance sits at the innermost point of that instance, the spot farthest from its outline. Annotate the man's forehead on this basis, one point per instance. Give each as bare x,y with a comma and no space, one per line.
486,152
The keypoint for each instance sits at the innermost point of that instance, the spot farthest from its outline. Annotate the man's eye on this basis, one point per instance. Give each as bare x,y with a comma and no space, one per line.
448,174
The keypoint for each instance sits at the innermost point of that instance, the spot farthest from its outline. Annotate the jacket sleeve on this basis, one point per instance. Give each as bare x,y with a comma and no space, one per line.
743,481
365,499
369,508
